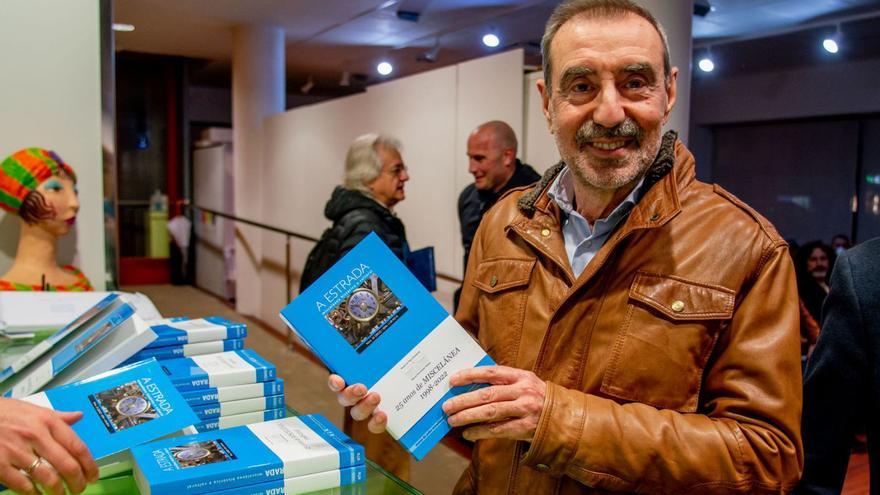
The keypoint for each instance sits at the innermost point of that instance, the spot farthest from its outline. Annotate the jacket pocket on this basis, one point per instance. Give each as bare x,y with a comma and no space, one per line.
502,283
669,330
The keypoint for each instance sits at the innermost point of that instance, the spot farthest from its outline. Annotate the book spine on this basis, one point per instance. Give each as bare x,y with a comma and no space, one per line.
218,409
240,419
350,453
219,370
235,392
187,350
195,331
304,484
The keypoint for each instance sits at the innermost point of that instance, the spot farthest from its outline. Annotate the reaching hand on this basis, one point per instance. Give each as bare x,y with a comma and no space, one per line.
40,442
363,405
509,407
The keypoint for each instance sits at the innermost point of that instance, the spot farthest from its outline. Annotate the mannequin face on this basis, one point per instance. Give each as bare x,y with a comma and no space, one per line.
60,195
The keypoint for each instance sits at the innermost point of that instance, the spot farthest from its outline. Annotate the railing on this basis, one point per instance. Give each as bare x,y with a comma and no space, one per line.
287,236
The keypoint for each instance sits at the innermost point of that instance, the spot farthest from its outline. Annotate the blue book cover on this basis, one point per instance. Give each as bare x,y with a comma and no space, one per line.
245,455
64,349
234,392
121,408
187,350
218,370
197,330
213,410
248,418
372,322
306,483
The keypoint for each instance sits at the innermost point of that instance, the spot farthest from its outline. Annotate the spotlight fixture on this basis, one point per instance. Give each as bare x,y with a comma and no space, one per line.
384,68
706,64
309,84
122,27
830,44
491,40
430,55
345,80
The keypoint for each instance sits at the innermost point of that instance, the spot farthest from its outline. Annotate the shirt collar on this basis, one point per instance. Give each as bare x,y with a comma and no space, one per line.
561,191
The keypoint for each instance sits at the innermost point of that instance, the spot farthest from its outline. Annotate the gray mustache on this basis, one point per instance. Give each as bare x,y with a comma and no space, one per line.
591,131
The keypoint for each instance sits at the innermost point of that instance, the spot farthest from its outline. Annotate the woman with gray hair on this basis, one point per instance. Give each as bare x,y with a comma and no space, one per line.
372,185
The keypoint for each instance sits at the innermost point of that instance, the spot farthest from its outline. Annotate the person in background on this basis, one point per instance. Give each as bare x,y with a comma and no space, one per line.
40,453
813,262
840,243
39,187
645,324
842,380
373,183
491,150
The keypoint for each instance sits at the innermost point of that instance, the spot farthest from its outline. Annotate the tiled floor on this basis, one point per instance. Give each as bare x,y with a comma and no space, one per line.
304,381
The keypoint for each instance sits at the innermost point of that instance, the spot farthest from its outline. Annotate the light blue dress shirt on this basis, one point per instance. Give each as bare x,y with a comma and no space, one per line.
582,242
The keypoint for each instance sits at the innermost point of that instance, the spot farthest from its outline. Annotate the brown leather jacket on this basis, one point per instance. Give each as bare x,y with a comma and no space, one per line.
672,362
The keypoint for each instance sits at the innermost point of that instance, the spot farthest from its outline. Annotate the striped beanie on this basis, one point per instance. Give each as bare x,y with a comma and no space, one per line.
24,170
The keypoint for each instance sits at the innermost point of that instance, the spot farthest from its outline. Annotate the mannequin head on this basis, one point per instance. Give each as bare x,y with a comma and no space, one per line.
38,186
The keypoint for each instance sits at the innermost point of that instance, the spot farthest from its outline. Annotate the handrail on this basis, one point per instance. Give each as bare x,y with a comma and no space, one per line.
288,234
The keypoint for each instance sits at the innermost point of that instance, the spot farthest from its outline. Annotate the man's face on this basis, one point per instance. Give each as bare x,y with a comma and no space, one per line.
388,187
609,99
817,264
489,163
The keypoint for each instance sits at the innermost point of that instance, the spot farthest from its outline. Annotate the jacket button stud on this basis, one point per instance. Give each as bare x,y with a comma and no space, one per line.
677,306
655,217
494,281
543,468
545,232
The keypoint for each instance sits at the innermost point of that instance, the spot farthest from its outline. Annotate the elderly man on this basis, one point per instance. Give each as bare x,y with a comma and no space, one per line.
491,150
645,324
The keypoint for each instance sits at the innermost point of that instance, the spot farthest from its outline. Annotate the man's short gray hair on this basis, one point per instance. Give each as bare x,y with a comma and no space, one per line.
597,9
362,162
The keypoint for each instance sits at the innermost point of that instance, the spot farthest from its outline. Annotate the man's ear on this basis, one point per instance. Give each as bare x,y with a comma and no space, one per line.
509,156
545,102
671,93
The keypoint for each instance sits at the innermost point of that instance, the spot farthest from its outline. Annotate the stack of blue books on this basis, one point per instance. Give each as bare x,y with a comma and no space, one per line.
287,456
180,337
228,389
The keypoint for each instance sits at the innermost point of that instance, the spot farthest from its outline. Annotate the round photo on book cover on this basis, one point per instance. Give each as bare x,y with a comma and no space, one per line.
123,407
365,313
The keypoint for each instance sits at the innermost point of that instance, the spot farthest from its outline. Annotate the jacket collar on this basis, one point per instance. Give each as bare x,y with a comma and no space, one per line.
673,170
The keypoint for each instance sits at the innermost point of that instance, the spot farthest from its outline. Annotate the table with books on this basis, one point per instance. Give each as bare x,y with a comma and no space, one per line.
378,481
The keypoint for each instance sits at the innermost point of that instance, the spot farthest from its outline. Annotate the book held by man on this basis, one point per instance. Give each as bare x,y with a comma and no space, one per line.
244,456
372,322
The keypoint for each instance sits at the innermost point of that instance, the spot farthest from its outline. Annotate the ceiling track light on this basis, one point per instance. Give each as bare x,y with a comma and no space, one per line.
706,64
384,68
831,44
430,55
345,80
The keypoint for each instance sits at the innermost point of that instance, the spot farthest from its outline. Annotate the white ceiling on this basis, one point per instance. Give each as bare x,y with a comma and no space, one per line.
326,37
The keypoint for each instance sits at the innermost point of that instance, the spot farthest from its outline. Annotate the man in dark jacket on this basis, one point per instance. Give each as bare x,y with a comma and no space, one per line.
491,150
842,381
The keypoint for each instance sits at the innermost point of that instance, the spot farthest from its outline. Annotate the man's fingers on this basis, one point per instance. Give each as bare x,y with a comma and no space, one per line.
70,417
336,383
378,423
487,413
48,479
58,462
493,375
479,397
352,395
76,464
16,481
364,409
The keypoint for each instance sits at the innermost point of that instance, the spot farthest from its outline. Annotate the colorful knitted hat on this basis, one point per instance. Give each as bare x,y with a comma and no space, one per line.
24,170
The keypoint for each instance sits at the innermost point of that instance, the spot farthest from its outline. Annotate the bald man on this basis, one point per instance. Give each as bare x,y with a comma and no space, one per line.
491,150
